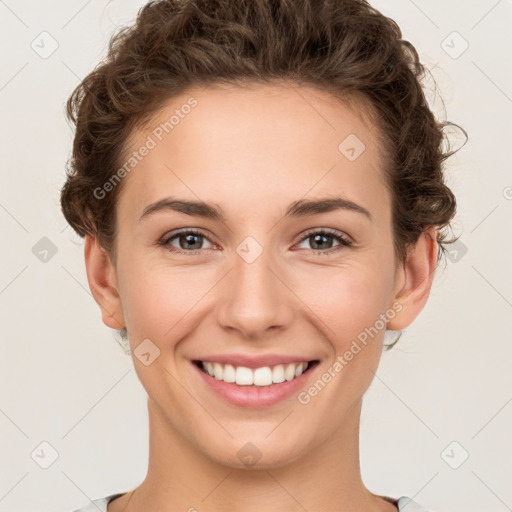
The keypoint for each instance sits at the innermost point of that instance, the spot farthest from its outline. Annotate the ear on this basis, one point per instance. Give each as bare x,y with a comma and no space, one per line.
103,283
414,279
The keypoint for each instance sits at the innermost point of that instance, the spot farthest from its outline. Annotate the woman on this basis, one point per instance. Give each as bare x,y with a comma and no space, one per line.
260,188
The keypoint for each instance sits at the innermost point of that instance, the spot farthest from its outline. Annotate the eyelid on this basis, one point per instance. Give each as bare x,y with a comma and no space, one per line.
328,231
179,231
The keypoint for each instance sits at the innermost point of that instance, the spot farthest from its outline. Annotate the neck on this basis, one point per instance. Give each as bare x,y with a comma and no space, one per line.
181,478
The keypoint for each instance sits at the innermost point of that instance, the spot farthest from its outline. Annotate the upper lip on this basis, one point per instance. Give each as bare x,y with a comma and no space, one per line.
254,361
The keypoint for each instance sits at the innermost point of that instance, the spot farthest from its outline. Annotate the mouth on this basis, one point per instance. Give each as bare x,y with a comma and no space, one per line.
265,376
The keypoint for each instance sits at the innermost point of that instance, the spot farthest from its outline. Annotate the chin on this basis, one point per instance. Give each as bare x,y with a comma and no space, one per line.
254,455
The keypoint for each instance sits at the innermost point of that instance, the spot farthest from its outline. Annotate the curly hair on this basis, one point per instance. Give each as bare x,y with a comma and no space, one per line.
344,47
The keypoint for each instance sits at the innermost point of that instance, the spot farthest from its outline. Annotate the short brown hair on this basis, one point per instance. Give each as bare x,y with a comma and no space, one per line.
344,47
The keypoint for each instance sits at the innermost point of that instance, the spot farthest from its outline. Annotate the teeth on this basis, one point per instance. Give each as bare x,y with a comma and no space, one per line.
244,376
217,371
229,374
278,374
289,372
264,376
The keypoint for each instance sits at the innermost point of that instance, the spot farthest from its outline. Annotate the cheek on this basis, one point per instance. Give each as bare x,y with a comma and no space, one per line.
157,297
347,299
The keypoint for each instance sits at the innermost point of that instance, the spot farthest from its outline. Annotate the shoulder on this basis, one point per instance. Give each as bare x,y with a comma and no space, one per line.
405,504
98,505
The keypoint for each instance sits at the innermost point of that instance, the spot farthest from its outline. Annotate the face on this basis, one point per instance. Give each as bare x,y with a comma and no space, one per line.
265,276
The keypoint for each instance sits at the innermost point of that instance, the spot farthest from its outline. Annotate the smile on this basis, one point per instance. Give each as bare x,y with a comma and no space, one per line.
256,387
263,376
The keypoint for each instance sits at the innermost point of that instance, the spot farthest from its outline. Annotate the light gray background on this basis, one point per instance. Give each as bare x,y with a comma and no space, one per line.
65,380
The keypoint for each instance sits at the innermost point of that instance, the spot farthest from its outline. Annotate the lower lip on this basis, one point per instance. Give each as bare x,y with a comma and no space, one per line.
256,396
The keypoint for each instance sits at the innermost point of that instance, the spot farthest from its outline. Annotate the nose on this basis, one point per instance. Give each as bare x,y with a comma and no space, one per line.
254,298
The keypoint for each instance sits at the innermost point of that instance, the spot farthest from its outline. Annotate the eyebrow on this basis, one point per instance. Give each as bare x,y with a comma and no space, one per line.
300,208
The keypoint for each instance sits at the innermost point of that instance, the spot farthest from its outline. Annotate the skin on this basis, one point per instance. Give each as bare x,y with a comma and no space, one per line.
253,151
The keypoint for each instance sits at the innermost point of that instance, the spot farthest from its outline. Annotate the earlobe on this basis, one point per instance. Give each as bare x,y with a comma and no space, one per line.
417,276
102,283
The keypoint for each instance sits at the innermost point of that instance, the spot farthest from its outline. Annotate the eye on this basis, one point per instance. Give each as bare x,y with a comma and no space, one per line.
189,241
321,237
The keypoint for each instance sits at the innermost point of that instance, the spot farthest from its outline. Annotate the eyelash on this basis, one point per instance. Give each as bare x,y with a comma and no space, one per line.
344,242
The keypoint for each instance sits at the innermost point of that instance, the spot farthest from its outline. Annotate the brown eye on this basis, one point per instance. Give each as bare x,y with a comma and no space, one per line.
189,241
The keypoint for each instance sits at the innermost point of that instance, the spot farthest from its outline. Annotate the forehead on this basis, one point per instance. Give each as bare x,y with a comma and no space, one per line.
255,146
